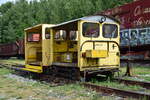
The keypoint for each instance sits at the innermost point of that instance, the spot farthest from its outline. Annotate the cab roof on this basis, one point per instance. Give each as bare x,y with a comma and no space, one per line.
96,18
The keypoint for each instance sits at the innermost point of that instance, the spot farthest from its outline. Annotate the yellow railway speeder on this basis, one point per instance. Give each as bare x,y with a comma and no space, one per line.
80,47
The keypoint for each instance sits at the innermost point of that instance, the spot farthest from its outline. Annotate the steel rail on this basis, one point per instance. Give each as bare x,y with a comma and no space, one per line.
133,82
13,66
119,92
136,60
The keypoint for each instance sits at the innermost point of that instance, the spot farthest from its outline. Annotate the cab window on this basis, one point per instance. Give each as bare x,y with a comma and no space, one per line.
47,33
73,35
90,29
33,37
110,31
60,35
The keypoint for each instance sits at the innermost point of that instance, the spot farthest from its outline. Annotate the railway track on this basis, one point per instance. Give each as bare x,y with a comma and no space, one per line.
118,92
10,65
51,79
109,90
142,61
133,82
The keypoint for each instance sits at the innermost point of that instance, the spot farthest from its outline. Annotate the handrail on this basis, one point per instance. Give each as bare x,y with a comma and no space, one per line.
98,41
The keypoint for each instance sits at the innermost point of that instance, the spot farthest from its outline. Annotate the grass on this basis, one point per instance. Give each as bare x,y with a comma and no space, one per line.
11,88
13,60
140,73
4,71
137,70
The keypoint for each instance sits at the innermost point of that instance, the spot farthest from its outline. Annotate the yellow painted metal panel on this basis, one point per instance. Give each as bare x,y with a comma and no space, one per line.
32,70
46,45
31,57
60,46
46,52
38,51
34,67
104,54
67,57
96,53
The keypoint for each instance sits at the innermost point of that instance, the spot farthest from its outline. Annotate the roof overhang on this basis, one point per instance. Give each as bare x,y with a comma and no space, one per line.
38,27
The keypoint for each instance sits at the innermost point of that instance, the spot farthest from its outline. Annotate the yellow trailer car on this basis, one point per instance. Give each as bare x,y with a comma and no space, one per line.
88,45
38,49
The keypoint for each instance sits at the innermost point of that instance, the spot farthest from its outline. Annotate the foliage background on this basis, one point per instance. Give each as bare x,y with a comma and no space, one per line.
15,17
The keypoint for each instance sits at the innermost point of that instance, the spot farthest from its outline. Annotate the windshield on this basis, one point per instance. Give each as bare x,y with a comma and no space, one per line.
90,29
47,33
110,31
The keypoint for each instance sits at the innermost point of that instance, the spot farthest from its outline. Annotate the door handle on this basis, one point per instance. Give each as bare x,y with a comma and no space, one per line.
113,46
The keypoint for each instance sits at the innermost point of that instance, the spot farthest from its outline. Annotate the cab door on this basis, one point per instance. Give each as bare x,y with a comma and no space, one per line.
89,33
110,34
113,53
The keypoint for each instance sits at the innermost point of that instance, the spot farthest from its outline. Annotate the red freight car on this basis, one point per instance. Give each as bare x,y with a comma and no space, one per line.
132,15
15,49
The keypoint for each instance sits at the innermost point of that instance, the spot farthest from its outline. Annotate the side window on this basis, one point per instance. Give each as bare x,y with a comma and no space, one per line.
33,37
47,33
73,35
60,35
90,29
110,31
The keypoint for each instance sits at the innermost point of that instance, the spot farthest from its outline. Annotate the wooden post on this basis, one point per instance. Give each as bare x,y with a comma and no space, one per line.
129,69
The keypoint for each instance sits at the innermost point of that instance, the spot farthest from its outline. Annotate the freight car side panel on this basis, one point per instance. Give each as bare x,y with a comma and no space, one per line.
8,50
132,15
21,47
140,12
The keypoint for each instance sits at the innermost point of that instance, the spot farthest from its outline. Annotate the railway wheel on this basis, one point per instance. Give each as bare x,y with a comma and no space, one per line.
110,75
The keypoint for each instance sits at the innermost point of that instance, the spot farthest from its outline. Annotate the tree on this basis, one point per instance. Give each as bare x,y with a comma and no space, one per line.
5,7
15,17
